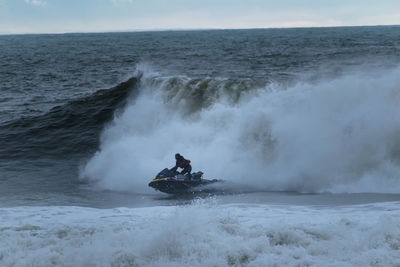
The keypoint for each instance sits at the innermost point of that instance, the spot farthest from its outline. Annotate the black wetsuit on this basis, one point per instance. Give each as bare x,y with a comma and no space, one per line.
183,163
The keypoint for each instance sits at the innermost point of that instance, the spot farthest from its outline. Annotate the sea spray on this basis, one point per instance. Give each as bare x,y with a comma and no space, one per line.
338,135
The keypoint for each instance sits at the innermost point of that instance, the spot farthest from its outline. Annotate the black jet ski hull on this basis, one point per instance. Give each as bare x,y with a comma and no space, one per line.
172,185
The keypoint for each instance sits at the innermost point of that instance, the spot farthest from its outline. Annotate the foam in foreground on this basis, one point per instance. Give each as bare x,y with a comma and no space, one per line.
201,234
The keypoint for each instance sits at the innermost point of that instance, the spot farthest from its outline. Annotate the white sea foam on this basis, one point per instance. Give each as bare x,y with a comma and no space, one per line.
202,234
340,135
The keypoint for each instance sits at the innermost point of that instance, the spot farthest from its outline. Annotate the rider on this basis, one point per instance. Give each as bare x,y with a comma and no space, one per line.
183,163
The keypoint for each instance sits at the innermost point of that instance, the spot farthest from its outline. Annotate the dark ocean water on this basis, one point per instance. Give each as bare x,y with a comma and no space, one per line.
65,97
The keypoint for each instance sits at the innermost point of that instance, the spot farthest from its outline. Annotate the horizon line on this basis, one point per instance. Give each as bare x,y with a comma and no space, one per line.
193,29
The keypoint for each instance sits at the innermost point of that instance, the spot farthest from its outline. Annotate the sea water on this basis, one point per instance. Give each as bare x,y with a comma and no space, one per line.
302,124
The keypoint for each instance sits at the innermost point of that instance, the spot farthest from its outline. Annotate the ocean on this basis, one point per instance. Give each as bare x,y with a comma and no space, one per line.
303,124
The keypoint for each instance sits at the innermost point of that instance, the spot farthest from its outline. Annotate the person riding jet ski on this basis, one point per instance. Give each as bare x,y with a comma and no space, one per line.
183,163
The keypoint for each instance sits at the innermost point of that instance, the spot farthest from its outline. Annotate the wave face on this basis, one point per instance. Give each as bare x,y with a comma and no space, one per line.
65,131
336,135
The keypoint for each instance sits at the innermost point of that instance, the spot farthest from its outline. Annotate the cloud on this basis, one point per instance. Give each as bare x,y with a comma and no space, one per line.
36,2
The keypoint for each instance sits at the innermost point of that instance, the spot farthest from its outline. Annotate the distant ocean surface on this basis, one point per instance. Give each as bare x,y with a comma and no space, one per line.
304,122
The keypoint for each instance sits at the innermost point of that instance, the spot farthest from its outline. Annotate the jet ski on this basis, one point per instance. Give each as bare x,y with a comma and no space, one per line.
171,182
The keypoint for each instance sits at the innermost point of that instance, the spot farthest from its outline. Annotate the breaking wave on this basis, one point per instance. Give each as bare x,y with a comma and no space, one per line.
339,135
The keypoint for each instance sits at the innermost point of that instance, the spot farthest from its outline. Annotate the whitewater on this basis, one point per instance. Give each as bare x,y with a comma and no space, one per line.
202,234
302,124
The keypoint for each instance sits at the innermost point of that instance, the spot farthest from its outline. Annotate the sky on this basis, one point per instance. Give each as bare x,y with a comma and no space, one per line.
59,16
